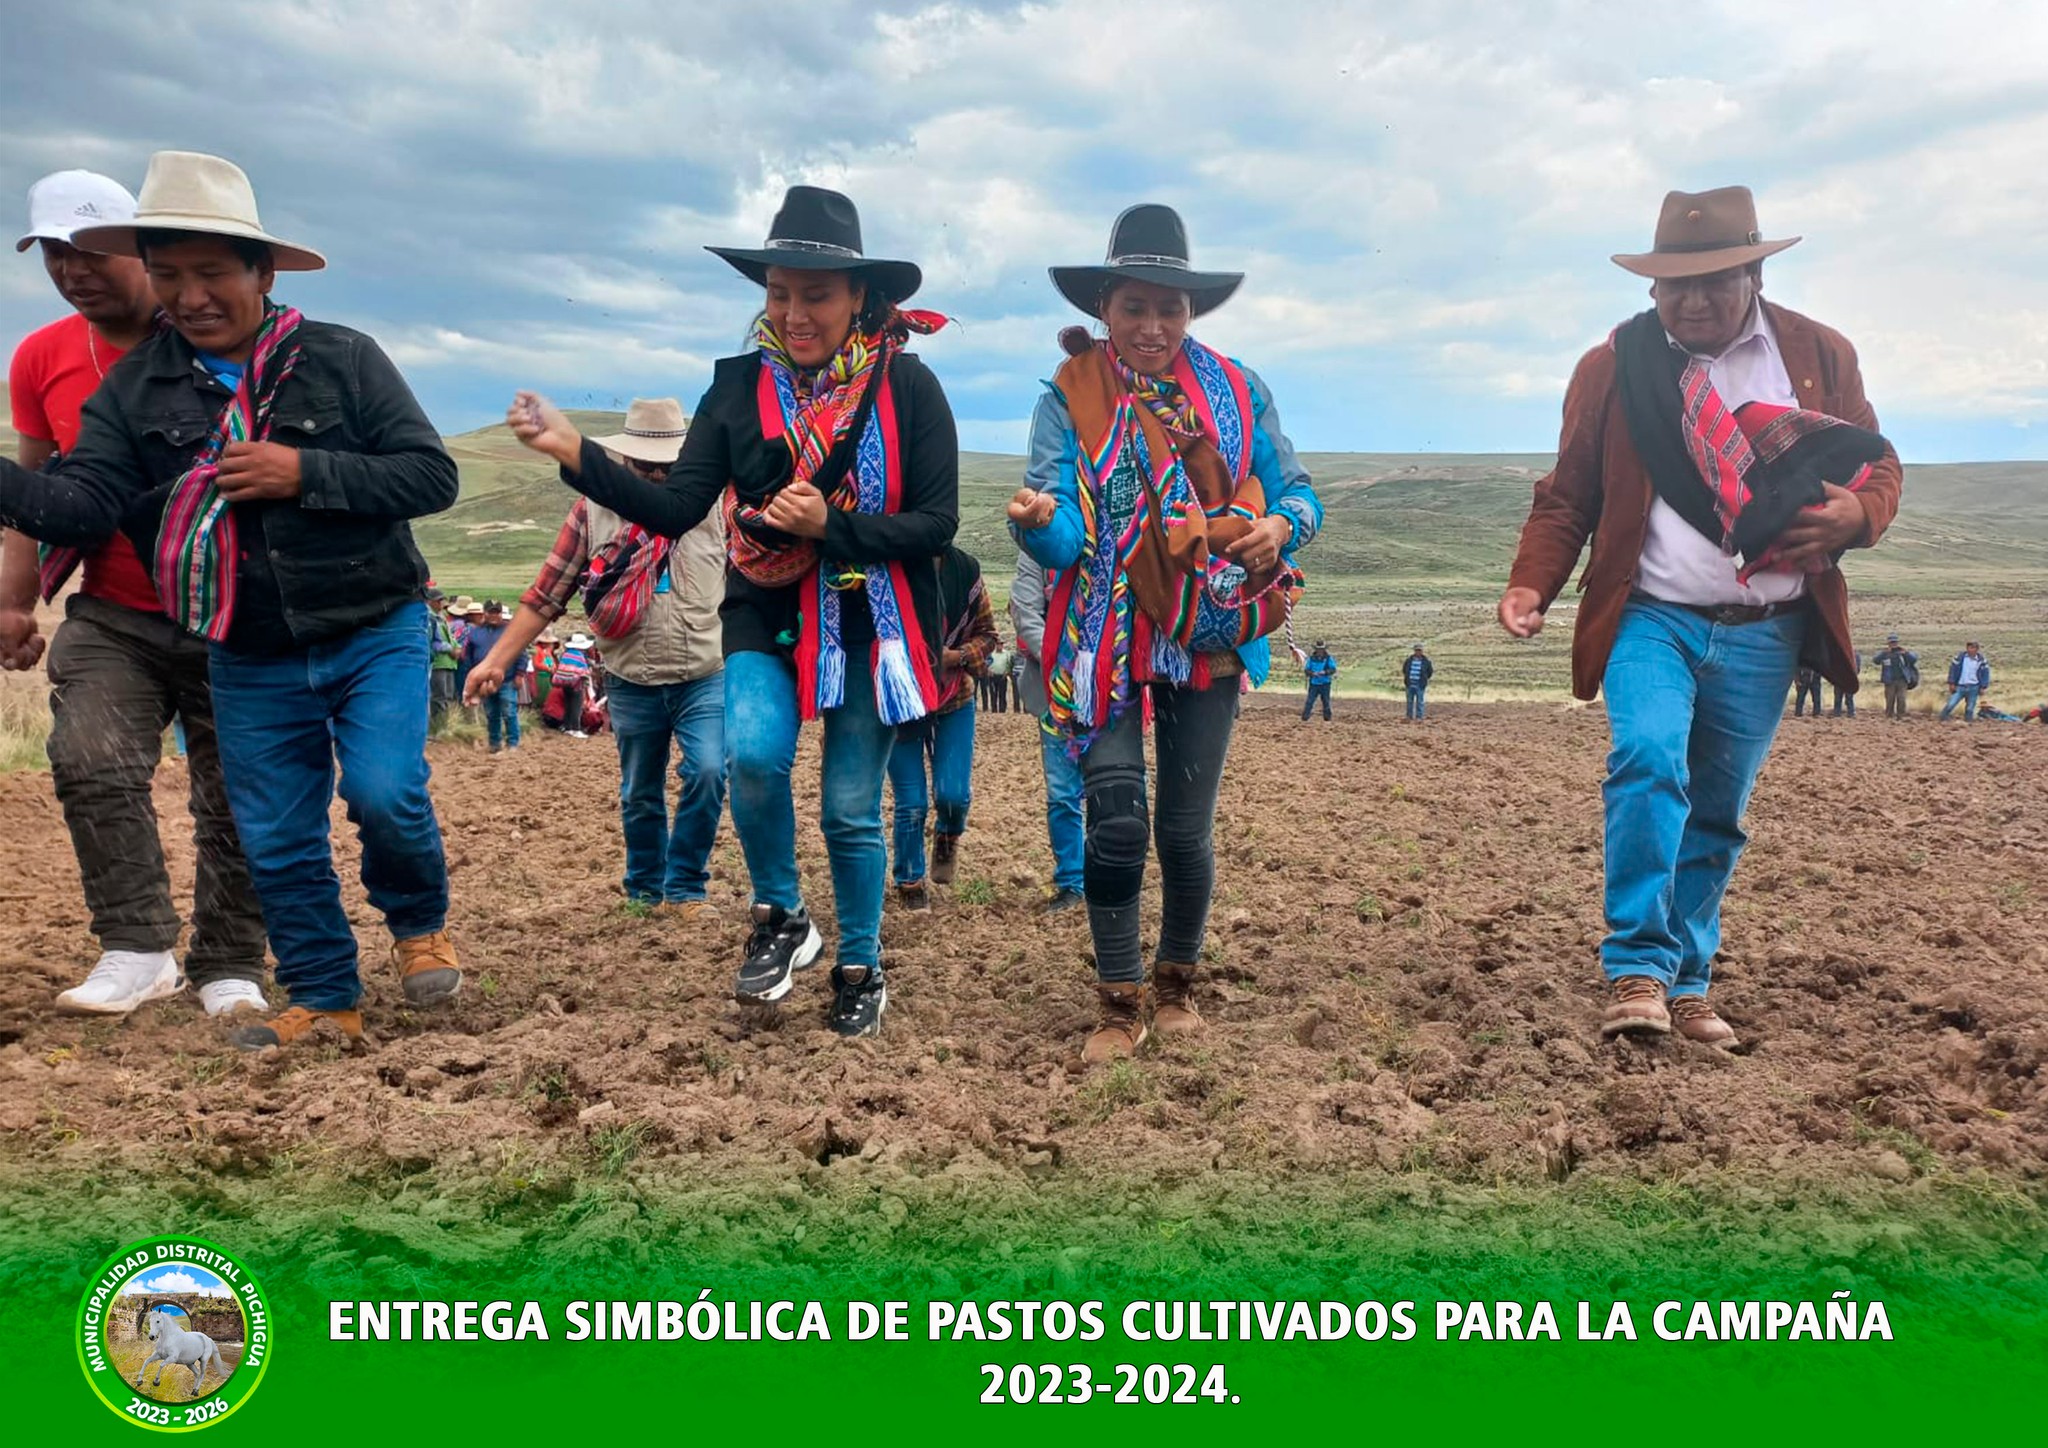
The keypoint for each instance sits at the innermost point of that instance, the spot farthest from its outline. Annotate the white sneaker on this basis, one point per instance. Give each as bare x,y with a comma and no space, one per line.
225,997
123,980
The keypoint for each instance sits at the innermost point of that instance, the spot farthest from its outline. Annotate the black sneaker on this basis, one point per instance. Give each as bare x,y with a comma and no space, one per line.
1064,900
857,1005
783,943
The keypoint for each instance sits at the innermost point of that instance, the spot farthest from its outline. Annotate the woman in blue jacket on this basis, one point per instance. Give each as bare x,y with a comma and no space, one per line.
1163,493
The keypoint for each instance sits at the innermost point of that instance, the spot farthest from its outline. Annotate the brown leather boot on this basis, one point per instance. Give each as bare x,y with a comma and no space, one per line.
1637,1008
1698,1021
427,968
1123,1022
945,858
1173,1010
292,1024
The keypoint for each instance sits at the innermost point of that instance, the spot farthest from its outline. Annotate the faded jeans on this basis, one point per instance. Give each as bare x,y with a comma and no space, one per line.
948,746
1692,706
1063,819
761,723
1966,695
1417,696
1191,731
669,862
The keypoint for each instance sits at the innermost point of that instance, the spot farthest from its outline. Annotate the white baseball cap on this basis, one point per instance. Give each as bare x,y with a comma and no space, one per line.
69,201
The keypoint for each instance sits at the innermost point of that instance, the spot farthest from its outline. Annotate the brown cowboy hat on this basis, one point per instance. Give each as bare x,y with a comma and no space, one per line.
1699,233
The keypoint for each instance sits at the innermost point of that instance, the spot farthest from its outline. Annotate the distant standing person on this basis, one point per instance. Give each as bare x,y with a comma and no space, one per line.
501,706
447,656
1806,683
1416,672
1321,670
1845,699
1898,670
1969,675
1063,826
996,683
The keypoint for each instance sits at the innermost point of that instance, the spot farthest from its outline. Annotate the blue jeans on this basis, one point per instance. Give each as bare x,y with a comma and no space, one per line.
668,861
760,748
1415,700
1064,825
284,721
1692,706
950,747
1315,692
1966,695
501,713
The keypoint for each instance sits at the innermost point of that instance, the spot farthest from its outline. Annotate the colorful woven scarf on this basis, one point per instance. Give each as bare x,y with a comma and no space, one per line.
619,581
1738,477
196,551
813,413
1153,591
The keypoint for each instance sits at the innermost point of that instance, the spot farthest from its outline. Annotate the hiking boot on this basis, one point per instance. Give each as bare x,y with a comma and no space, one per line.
859,996
914,896
685,912
225,997
427,968
1173,1008
945,858
292,1024
1637,1008
1697,1021
1123,1022
1063,900
123,980
782,943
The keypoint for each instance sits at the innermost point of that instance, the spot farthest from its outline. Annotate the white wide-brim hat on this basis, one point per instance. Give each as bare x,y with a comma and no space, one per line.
582,641
653,433
205,195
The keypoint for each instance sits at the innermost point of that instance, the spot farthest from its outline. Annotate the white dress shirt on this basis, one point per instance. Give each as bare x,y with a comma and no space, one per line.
1680,565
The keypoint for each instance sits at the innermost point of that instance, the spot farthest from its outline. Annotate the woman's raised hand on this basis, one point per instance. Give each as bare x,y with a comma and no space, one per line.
540,424
1030,509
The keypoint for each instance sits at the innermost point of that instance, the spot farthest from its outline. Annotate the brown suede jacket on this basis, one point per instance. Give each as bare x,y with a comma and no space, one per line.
1601,490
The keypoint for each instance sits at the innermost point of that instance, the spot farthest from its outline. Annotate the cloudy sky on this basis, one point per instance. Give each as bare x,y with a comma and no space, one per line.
1424,195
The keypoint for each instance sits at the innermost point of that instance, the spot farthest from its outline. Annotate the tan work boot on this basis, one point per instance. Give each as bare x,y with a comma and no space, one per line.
1698,1021
1637,1008
1173,1010
945,858
427,968
292,1024
685,912
1123,1022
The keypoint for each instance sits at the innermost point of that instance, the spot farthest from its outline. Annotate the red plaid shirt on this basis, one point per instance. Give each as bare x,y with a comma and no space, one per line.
556,582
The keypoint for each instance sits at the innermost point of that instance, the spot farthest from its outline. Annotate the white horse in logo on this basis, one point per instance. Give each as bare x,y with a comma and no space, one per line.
175,1346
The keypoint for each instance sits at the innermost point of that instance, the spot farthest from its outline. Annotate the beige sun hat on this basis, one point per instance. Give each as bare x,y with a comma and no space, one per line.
653,432
188,191
462,605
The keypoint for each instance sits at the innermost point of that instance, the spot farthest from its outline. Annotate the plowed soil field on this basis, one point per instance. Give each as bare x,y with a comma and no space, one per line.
1401,978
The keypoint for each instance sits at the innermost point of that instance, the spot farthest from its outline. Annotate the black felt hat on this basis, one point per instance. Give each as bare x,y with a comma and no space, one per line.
819,230
1149,243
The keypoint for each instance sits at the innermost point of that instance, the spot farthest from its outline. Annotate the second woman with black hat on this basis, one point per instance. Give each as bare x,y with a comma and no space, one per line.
833,453
1164,493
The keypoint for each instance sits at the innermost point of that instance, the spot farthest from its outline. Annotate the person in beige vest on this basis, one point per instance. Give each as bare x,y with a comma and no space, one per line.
653,605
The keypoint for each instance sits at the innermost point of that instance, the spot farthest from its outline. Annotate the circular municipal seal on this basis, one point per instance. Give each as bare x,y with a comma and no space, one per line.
173,1333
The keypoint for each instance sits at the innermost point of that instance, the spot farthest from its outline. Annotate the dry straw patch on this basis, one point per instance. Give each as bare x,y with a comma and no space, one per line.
24,721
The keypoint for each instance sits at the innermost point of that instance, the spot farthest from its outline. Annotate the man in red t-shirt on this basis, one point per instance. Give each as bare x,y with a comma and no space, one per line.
119,670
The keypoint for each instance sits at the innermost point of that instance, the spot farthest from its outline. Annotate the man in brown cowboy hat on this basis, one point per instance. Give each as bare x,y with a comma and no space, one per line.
1720,454
266,466
662,653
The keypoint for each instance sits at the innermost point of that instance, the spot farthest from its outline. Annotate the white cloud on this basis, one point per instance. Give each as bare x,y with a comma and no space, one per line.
176,1280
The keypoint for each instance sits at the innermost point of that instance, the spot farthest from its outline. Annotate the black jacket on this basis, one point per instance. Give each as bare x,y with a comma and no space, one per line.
725,444
337,558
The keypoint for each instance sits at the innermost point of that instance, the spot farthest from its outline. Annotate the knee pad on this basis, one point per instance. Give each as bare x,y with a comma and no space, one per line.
1119,837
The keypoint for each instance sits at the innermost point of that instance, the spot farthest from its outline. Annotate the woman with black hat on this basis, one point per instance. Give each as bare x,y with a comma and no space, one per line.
1162,490
832,451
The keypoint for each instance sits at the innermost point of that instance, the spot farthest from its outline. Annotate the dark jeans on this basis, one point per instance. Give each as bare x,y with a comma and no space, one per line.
117,678
1417,706
664,861
948,746
501,714
442,692
1801,689
1191,731
1845,704
285,721
1315,692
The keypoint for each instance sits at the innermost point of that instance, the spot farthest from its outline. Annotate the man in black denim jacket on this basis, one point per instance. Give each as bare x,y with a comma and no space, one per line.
324,657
